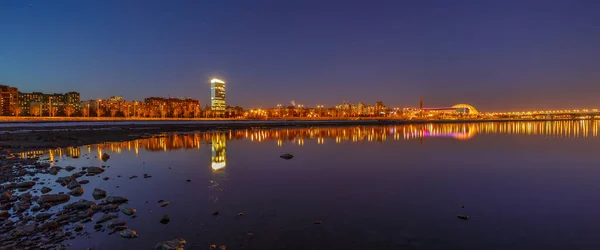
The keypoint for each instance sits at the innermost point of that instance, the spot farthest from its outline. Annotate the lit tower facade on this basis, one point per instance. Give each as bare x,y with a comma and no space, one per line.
217,96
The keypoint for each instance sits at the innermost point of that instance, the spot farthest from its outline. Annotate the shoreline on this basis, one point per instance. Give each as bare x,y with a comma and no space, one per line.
12,125
23,137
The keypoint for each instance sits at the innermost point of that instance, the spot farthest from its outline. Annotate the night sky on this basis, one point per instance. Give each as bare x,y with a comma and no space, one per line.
495,55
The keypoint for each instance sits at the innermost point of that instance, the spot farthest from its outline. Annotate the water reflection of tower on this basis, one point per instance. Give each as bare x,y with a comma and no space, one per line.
218,163
218,159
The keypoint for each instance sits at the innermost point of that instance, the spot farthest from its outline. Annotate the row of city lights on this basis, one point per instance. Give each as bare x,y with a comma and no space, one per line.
543,112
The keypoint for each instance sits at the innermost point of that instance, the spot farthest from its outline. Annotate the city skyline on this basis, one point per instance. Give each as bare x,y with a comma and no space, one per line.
534,56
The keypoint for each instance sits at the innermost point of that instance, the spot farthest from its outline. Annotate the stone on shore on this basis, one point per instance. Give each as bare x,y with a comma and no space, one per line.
287,156
98,193
114,223
105,218
53,198
108,208
116,199
165,219
53,170
95,170
4,215
129,211
25,185
105,157
80,205
64,180
77,191
73,184
6,196
176,244
129,234
463,217
24,230
45,190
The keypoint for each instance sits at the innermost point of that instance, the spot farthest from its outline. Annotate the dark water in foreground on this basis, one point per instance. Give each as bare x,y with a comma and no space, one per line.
525,186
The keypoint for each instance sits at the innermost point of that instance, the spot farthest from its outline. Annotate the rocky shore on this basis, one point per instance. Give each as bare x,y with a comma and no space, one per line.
35,216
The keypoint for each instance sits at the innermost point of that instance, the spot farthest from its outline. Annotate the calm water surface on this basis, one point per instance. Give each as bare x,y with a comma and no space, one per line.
525,185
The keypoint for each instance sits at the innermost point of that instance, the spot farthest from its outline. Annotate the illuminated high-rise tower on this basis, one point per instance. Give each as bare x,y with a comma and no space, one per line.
217,97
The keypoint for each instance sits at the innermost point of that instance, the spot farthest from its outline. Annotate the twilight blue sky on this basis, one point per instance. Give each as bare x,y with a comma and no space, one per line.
495,55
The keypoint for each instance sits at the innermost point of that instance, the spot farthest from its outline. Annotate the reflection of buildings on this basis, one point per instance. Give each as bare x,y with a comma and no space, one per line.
302,136
218,158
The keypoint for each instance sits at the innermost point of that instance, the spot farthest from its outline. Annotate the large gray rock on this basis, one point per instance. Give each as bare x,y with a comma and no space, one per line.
176,244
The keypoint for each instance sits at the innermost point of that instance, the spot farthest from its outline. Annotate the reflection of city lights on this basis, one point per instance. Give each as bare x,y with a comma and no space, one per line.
217,165
297,136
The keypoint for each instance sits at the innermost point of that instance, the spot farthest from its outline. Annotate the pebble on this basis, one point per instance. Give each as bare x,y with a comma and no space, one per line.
287,156
77,191
115,223
116,199
175,244
165,219
129,211
105,157
128,234
99,193
45,190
